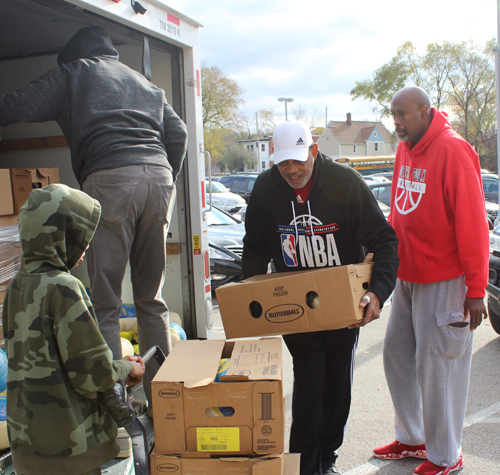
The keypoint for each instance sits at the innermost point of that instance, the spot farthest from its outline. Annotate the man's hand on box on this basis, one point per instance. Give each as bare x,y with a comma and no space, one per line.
371,303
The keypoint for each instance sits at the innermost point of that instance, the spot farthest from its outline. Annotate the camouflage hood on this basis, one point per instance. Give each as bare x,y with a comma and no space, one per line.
56,225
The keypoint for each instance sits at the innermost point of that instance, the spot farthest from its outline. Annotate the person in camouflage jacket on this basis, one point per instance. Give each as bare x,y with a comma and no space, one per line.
58,360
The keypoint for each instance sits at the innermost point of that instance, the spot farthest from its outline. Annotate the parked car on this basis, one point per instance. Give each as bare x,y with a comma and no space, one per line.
384,208
492,211
387,175
214,178
239,184
490,186
375,178
225,241
382,191
493,288
241,213
223,198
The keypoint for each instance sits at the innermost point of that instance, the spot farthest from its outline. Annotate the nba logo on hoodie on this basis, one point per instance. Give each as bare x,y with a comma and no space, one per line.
289,250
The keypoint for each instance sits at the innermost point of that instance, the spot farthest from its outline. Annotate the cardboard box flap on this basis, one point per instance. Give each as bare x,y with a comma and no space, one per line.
255,360
268,467
264,277
244,459
368,258
45,171
196,455
364,272
193,362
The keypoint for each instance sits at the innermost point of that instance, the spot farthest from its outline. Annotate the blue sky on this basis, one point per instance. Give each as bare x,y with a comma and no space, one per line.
315,51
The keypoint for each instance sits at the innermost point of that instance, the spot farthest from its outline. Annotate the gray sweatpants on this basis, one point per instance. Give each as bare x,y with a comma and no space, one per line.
137,203
427,366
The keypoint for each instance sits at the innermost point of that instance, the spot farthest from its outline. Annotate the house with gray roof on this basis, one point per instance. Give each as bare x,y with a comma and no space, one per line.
356,138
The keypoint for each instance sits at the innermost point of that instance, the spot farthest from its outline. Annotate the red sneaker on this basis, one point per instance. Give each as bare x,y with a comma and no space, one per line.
397,450
429,468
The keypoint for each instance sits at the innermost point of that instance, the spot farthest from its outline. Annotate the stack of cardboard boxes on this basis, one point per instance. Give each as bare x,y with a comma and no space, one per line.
10,261
236,425
15,186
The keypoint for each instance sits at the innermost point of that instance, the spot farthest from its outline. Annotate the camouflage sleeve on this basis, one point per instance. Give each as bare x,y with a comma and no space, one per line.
122,368
84,352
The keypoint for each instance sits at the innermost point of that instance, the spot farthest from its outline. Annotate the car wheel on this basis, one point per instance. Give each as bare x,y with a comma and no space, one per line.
494,319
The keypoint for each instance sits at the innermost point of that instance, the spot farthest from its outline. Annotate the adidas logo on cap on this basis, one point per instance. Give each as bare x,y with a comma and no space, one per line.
291,142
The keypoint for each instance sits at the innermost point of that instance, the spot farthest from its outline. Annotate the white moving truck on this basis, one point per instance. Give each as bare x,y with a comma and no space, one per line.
32,33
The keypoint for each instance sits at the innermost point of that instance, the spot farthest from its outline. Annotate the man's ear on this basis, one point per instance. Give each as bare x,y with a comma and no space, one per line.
423,112
314,150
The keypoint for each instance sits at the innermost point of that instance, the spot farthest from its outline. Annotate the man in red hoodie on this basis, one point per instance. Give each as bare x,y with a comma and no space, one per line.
437,210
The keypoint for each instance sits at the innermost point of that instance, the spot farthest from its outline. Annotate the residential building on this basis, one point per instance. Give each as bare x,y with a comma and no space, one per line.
260,149
356,139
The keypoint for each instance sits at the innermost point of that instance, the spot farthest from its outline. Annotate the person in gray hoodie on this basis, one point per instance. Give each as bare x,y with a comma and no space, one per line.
127,147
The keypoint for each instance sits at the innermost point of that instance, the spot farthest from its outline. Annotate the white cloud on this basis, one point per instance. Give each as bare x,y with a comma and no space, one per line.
316,51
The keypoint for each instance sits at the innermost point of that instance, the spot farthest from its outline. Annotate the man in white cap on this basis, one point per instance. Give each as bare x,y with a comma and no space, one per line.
307,212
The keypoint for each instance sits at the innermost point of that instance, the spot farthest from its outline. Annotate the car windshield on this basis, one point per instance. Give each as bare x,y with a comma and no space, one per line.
218,218
216,187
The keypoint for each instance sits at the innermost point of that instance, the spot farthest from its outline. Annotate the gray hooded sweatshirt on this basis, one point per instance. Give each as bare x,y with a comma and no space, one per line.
111,115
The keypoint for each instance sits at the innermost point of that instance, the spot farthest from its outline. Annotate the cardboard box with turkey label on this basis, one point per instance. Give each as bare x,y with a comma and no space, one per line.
193,464
294,302
241,415
18,183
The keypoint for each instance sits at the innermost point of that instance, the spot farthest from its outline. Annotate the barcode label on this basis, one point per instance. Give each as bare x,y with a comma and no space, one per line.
266,406
218,439
213,447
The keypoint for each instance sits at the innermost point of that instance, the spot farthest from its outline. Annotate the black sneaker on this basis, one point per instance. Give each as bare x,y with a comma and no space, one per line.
332,470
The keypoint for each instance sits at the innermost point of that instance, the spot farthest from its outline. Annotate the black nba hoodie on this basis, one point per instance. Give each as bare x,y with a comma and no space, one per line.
339,223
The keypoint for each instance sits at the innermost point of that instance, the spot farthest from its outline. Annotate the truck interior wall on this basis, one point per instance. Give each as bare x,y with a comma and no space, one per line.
18,72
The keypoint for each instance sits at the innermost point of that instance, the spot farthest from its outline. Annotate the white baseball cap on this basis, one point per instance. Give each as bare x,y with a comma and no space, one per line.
291,142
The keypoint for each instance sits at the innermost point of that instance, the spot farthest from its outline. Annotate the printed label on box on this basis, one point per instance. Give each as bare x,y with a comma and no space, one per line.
218,439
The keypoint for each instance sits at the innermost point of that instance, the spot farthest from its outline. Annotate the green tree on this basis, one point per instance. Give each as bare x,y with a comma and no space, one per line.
236,158
386,81
215,143
221,98
459,78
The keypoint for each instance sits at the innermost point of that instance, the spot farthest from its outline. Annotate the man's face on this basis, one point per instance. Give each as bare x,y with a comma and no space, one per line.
296,173
409,119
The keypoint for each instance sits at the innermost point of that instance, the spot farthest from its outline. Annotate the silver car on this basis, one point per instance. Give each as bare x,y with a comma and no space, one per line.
223,198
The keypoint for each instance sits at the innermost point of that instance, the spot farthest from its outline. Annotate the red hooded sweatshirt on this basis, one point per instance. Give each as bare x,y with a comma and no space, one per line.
437,209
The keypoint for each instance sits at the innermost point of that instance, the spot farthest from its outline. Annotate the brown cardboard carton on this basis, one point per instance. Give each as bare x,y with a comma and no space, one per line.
21,186
23,180
292,464
9,220
294,302
193,464
6,201
41,177
242,415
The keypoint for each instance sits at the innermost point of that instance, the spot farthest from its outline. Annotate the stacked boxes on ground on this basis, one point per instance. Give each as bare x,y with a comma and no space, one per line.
236,425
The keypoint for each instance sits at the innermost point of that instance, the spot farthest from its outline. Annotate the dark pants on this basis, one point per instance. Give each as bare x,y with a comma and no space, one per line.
323,366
